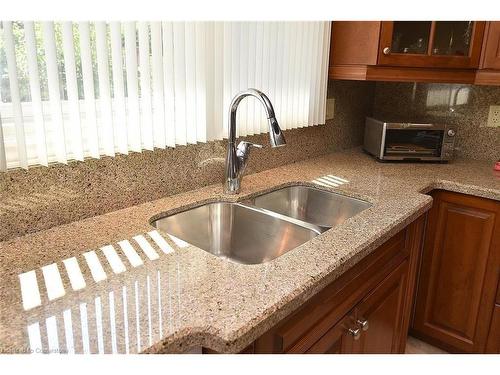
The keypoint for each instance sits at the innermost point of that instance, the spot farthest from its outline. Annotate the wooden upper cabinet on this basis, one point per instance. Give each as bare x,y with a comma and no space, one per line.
408,51
431,44
491,47
459,273
489,72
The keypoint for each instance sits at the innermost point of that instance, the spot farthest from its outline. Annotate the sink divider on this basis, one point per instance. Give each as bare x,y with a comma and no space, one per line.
316,228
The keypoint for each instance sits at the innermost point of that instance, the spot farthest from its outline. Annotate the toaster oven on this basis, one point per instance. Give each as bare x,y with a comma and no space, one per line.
405,141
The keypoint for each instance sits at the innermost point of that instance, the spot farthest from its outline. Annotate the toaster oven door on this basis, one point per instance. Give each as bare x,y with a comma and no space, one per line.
401,144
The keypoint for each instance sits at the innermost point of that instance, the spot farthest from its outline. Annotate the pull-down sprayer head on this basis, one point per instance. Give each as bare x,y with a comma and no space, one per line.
276,136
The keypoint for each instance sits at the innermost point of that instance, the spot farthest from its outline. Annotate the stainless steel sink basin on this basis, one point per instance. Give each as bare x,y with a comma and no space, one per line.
319,207
263,228
236,232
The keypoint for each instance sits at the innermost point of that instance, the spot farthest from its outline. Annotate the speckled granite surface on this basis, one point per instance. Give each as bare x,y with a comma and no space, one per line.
185,297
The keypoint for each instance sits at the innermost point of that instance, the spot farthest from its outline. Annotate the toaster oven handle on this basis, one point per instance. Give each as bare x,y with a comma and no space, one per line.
408,125
417,125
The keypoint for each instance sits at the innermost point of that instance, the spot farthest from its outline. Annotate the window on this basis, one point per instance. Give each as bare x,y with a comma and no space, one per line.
74,90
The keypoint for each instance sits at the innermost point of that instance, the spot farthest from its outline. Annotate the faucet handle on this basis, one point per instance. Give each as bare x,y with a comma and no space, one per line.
243,150
248,144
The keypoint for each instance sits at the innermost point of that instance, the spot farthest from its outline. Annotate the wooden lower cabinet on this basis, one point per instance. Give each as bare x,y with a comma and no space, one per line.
459,274
366,310
379,315
374,325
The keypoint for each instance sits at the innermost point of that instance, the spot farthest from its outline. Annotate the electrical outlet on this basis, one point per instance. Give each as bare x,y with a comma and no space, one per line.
494,116
330,108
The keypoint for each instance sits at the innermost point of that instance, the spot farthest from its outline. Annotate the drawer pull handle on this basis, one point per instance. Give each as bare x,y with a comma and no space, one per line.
386,51
363,324
355,333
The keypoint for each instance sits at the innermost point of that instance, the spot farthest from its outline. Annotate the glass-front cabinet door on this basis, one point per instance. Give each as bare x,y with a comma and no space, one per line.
432,44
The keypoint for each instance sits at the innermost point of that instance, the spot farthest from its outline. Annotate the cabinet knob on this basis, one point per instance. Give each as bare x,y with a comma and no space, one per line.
386,50
363,323
355,333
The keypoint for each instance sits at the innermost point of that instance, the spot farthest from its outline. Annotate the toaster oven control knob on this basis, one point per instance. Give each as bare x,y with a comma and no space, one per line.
451,133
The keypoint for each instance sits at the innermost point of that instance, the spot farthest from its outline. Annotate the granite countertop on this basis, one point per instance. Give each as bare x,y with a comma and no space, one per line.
171,296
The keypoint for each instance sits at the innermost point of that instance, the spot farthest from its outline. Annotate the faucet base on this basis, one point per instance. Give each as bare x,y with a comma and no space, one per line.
232,187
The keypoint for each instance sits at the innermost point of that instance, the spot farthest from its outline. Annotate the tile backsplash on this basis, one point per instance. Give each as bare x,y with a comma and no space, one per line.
43,197
466,106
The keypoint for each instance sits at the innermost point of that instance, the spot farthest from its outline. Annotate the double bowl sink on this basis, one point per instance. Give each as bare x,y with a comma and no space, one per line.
264,227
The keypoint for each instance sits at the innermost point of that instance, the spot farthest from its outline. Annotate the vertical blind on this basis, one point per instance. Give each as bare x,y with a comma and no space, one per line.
74,90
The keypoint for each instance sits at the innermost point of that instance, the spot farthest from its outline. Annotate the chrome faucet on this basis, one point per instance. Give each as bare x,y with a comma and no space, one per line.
237,157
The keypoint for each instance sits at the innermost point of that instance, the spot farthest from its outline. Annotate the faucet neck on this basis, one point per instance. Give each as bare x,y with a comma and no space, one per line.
233,108
235,164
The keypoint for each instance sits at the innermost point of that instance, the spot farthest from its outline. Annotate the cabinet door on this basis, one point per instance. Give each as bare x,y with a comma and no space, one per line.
354,42
338,339
379,315
491,46
431,44
459,272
